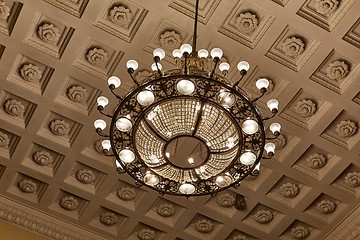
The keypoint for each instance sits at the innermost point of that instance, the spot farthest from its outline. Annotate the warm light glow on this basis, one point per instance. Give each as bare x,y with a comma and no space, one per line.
191,160
132,64
100,124
270,148
262,83
243,66
203,53
177,53
158,52
118,165
247,158
224,66
114,81
185,87
154,68
216,52
145,98
226,99
123,124
250,126
275,127
102,101
187,188
106,144
273,104
126,155
186,48
151,179
223,181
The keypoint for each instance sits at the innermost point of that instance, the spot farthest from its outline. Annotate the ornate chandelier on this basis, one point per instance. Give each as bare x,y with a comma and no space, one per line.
188,131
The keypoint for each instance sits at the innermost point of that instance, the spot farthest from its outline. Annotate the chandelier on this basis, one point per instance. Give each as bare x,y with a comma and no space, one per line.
188,131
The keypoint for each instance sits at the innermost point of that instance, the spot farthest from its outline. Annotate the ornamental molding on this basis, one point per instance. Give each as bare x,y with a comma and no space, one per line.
316,161
97,57
246,23
293,46
49,33
59,127
305,108
300,232
78,94
289,190
170,39
69,203
4,140
326,206
39,223
4,11
346,128
146,234
326,7
109,218
165,210
27,186
30,73
120,15
14,108
204,226
43,158
337,70
264,216
86,176
352,179
226,200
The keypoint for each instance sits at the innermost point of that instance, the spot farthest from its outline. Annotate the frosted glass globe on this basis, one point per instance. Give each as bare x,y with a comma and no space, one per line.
145,98
123,124
132,64
158,52
187,188
151,179
247,158
243,65
262,83
126,155
99,123
177,53
224,66
250,126
114,81
216,52
102,101
270,148
186,48
106,144
185,87
203,53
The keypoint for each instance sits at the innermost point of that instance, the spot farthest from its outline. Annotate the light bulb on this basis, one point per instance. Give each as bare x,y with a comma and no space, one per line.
154,68
262,83
216,52
186,48
191,160
185,87
106,144
247,158
250,126
270,148
158,52
151,179
243,66
118,165
132,64
123,124
187,188
177,53
126,155
114,81
203,53
102,101
224,66
226,99
100,124
145,98
273,104
223,181
275,128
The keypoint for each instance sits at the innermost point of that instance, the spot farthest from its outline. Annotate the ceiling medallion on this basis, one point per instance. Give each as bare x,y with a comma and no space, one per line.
188,131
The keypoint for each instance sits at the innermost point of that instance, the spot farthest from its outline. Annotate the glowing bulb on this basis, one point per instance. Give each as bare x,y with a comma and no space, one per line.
203,53
226,99
224,66
216,53
145,98
106,144
187,188
185,87
250,126
243,66
123,124
154,68
186,48
158,52
132,64
275,127
151,179
114,81
126,155
177,53
100,124
273,104
270,148
262,83
247,158
191,160
102,101
223,181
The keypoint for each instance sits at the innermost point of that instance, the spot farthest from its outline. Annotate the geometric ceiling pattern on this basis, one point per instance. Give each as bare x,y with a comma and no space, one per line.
55,57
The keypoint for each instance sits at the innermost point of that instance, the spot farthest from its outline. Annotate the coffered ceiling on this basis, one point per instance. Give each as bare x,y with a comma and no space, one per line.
55,57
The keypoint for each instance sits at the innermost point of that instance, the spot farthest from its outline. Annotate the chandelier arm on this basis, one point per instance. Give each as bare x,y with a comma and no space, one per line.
158,69
186,55
107,153
263,91
236,83
216,61
272,138
117,96
274,112
100,109
131,72
195,28
100,133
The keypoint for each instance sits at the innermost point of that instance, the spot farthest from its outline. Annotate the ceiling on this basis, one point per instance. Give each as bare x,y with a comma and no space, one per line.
55,57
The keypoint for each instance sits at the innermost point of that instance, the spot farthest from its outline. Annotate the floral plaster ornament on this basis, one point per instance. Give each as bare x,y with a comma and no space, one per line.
165,210
326,206
30,73
4,140
264,216
280,142
316,161
27,186
4,11
109,218
300,232
246,22
240,237
289,190
14,108
49,33
293,46
305,108
120,15
337,70
226,200
43,158
126,193
170,39
69,203
85,176
353,179
346,129
146,234
97,56
204,226
142,75
77,94
59,127
326,7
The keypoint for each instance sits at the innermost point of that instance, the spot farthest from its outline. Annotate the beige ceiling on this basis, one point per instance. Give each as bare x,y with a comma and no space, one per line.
55,57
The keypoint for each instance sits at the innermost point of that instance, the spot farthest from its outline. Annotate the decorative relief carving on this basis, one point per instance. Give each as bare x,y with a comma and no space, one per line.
30,73
126,193
69,203
353,179
300,232
98,147
165,210
204,226
264,216
240,237
142,75
4,11
49,33
170,39
85,176
43,158
289,190
305,108
59,127
326,7
226,200
316,161
97,56
337,70
293,46
14,108
78,94
109,218
146,234
346,129
4,140
27,186
280,142
326,206
120,15
246,22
